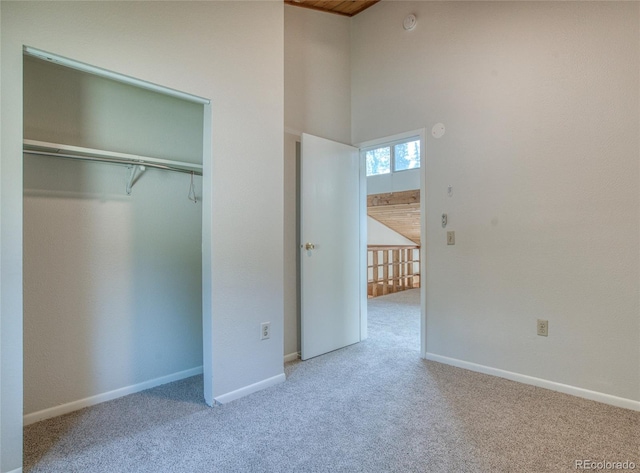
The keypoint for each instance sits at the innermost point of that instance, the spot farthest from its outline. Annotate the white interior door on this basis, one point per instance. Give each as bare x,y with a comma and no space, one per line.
331,198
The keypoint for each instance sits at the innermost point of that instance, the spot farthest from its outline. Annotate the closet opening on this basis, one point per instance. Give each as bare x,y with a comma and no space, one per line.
116,210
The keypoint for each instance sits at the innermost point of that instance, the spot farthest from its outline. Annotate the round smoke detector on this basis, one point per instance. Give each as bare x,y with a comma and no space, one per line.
409,22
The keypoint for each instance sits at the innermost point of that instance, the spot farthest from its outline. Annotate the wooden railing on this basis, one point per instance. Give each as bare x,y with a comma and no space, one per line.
392,268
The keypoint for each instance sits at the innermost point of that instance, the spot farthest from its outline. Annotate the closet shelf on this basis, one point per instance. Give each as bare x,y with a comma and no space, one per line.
88,154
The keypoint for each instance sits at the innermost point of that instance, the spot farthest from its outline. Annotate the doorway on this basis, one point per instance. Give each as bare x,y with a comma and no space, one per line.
395,168
293,321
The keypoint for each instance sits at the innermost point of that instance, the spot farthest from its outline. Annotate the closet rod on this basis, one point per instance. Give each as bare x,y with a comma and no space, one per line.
114,161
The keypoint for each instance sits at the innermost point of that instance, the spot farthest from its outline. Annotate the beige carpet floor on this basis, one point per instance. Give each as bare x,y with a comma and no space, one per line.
371,407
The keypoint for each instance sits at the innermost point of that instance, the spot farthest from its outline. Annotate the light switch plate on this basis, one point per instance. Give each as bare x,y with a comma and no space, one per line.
451,238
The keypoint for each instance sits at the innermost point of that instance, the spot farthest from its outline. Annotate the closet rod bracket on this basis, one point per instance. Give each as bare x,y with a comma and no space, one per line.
132,177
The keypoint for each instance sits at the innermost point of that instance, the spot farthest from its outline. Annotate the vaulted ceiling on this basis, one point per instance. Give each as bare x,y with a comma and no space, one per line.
339,7
399,211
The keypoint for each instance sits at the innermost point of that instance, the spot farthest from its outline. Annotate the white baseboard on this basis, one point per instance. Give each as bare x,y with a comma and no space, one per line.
108,396
541,383
291,357
252,388
17,470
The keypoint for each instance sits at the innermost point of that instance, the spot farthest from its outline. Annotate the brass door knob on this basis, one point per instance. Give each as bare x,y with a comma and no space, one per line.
309,246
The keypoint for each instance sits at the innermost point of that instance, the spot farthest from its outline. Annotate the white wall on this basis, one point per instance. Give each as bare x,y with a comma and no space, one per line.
394,182
291,250
195,47
112,283
317,100
317,79
541,105
11,428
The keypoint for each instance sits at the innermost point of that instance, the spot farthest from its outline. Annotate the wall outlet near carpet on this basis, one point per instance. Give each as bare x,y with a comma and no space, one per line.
265,330
543,327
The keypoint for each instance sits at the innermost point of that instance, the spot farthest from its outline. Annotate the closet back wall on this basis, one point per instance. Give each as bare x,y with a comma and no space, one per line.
112,283
66,106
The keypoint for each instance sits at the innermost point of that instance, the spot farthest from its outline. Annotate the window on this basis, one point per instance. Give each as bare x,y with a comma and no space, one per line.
406,156
378,161
393,157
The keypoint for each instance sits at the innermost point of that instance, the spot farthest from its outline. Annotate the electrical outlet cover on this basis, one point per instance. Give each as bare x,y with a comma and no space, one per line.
265,330
543,328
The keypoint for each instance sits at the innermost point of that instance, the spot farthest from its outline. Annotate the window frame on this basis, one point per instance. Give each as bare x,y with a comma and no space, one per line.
392,158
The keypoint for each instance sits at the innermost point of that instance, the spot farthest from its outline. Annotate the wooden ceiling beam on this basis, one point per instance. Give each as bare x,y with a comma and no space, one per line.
394,198
339,7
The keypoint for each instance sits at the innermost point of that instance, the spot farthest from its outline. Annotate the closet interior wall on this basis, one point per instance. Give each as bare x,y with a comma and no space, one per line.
112,282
